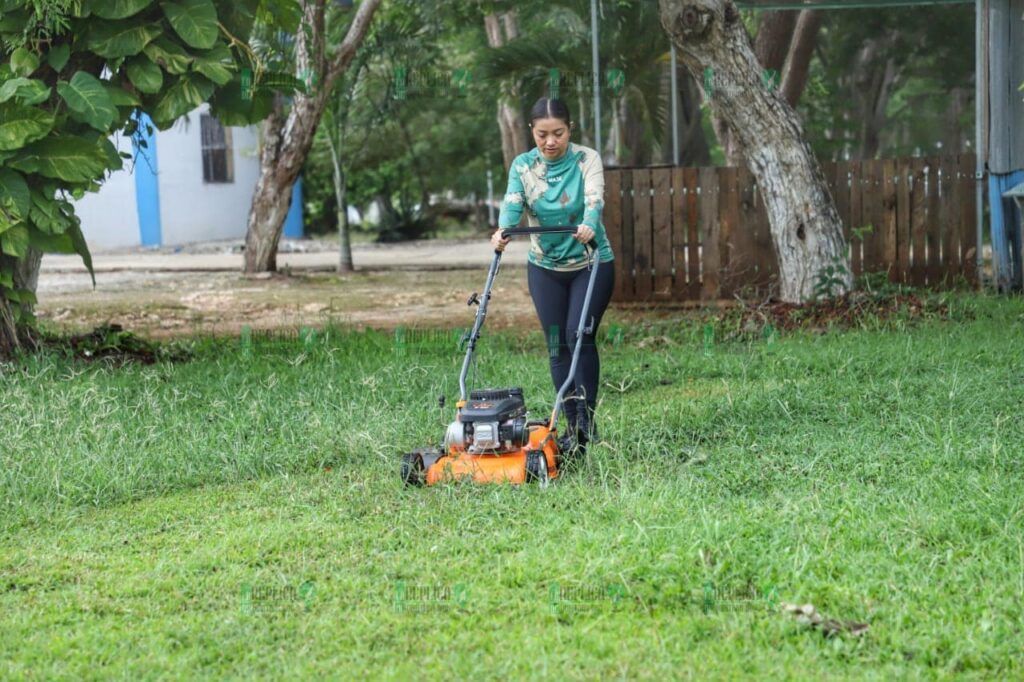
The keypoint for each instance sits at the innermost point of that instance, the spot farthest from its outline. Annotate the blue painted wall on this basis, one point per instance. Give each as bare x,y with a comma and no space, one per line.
147,186
293,225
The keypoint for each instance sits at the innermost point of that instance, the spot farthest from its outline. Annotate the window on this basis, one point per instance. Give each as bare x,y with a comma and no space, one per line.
217,165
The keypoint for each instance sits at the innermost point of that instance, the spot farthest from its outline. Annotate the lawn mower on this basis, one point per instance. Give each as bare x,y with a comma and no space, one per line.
493,439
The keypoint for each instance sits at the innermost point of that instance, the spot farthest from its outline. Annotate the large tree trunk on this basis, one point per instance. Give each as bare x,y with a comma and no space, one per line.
287,139
500,30
784,44
771,46
806,229
14,337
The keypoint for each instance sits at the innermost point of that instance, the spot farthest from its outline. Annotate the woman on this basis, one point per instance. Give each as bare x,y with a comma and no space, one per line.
562,183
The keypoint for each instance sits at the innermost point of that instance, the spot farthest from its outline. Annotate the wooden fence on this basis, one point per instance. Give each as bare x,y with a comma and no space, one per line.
702,233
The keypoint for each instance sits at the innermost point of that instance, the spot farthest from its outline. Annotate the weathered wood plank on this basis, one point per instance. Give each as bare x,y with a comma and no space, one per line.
933,231
856,221
679,235
710,234
871,199
662,232
642,256
968,219
764,246
950,219
918,223
744,256
903,174
728,203
690,179
628,265
889,257
611,216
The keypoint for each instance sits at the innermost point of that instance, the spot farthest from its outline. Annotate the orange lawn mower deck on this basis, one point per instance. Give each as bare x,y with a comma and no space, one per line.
492,439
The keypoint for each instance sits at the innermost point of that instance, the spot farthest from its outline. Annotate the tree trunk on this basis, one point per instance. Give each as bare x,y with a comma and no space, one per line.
774,34
872,83
784,45
345,264
501,29
287,139
13,337
801,49
693,143
806,229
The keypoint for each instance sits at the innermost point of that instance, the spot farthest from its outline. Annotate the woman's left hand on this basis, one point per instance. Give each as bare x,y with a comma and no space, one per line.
583,234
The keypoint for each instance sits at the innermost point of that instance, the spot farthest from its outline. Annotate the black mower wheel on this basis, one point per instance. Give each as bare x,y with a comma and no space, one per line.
537,468
413,471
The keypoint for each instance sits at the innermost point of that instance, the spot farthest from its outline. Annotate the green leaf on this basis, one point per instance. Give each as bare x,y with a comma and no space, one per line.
87,98
6,279
63,157
14,242
170,56
23,62
21,125
120,97
81,248
58,56
51,243
194,20
231,109
109,151
216,64
145,75
28,91
14,22
14,193
117,9
46,214
179,99
27,296
120,38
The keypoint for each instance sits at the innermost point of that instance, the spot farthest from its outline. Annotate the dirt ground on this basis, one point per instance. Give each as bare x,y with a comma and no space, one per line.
199,289
167,304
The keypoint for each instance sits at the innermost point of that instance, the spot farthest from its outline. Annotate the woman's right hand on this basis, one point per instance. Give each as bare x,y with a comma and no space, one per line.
497,242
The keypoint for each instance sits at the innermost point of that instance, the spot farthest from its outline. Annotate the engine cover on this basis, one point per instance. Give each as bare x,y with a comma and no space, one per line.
494,405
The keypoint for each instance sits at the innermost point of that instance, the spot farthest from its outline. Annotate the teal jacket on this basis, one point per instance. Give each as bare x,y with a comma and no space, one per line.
566,191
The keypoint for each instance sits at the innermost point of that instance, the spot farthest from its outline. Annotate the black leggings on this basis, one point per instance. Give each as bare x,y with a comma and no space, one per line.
558,298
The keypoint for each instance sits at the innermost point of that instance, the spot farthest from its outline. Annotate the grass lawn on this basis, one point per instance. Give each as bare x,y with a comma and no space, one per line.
241,514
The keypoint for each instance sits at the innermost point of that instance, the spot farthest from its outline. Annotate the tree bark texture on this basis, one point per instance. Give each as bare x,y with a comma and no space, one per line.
502,28
784,43
287,137
805,225
14,337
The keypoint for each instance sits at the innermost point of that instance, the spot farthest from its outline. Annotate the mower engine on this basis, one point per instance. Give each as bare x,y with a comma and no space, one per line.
491,421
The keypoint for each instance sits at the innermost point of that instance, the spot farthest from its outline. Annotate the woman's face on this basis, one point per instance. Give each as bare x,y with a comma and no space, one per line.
551,136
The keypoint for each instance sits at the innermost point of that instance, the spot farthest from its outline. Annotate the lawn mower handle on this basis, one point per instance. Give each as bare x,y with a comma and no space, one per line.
482,301
595,259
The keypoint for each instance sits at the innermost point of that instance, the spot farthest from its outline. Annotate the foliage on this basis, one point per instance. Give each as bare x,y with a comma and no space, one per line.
929,56
76,72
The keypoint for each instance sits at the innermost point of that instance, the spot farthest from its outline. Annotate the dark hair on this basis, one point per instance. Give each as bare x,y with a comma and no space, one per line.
550,108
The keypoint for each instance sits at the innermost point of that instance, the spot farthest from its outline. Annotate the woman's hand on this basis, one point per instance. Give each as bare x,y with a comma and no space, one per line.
497,242
583,234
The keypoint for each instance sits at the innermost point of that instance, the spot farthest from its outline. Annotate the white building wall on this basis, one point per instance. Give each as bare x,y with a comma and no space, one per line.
110,217
192,210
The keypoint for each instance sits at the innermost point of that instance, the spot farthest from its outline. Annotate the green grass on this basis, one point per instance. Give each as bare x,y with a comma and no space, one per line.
241,514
